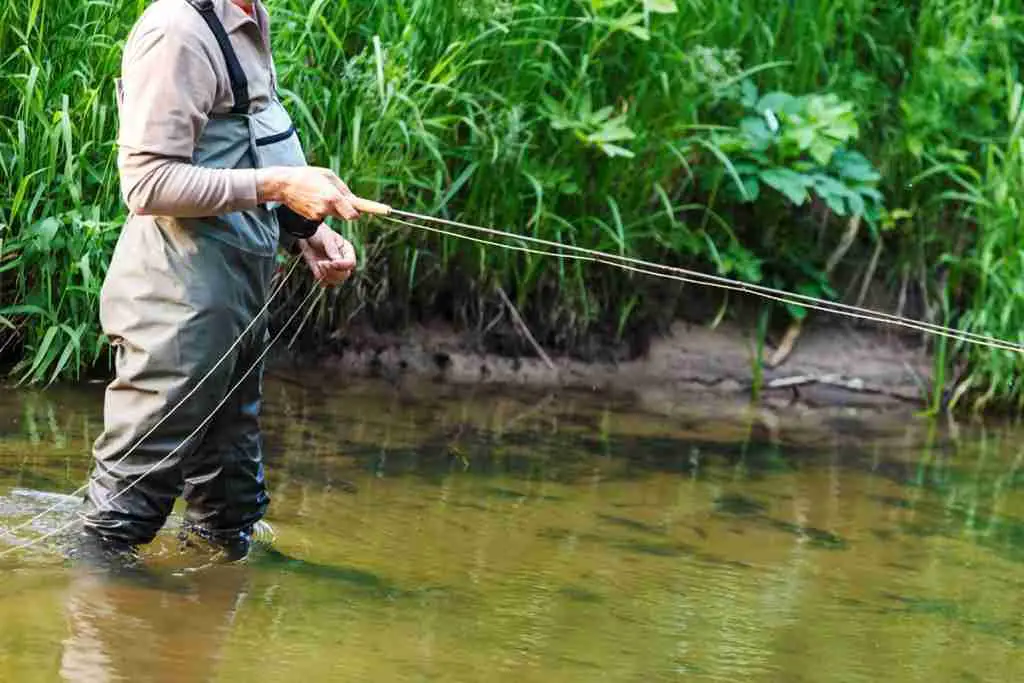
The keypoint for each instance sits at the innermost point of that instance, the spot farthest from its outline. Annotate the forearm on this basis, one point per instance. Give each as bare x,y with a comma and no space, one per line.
166,187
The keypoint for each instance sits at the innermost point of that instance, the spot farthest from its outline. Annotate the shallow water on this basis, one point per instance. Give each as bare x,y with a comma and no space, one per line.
454,535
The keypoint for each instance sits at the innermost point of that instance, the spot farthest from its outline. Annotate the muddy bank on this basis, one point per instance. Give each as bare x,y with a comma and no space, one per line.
830,365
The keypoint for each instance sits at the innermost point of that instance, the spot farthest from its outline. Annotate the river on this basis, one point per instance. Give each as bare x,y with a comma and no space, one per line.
432,533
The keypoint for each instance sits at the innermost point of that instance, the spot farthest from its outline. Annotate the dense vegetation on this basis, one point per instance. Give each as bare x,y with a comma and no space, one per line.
855,149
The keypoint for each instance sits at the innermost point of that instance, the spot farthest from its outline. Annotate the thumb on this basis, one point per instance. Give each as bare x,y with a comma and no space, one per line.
332,247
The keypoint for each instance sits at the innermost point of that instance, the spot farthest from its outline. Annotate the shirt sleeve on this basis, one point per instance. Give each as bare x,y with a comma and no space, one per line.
167,89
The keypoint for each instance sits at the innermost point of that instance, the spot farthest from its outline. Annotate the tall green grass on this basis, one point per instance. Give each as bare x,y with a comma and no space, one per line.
59,209
630,126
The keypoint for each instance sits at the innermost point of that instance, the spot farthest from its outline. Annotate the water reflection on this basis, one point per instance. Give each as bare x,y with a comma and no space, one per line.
429,534
150,630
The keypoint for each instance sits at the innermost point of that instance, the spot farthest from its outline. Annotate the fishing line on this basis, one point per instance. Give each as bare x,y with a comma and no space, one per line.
189,395
583,254
695,277
305,319
667,276
202,425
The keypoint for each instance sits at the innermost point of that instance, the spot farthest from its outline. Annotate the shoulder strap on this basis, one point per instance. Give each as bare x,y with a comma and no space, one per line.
239,83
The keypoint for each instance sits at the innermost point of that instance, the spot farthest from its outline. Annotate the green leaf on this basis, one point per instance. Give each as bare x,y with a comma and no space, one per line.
869,192
752,187
640,32
797,312
818,288
915,146
456,186
42,358
855,166
757,132
614,131
632,23
958,155
790,183
44,231
616,151
821,151
856,201
833,192
775,101
748,93
557,116
62,362
85,268
835,202
825,183
601,115
25,309
804,136
705,177
661,6
844,129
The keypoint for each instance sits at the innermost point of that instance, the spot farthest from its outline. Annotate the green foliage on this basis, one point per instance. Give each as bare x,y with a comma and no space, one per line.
601,128
58,264
739,137
797,146
784,153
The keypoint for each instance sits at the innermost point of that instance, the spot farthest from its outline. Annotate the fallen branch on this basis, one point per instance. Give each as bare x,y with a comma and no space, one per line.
523,329
793,332
870,275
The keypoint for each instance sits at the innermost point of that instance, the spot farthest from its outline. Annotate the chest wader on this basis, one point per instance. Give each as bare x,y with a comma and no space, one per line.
177,295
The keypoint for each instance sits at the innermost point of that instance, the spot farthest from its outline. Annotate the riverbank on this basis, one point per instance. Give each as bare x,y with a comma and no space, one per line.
828,153
830,365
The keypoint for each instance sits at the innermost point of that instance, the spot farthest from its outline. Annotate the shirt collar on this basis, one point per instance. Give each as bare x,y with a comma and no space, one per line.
233,17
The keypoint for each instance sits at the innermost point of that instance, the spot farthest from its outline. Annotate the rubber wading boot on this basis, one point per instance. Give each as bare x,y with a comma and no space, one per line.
223,548
93,552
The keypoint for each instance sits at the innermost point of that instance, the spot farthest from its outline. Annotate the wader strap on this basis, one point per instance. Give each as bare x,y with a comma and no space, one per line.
239,83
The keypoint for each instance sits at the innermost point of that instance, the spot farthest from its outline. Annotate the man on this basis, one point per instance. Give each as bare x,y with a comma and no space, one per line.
208,158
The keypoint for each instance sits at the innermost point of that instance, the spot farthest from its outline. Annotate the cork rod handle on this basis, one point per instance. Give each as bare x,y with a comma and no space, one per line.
368,206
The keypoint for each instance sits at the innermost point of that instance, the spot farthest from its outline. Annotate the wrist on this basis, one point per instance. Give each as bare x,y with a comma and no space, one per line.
270,184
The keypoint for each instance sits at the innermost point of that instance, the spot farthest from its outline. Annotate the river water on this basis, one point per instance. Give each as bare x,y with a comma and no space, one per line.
439,534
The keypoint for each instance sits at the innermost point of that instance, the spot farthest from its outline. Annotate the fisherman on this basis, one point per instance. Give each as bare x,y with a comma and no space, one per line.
209,159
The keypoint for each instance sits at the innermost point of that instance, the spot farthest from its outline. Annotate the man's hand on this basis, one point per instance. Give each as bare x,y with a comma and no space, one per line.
330,256
313,192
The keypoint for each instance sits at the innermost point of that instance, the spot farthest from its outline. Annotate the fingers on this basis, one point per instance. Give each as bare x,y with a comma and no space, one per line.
331,276
342,257
330,257
315,193
332,247
348,252
344,209
341,206
311,260
337,250
338,183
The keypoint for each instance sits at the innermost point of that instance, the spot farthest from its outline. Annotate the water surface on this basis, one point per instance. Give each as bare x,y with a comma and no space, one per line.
437,534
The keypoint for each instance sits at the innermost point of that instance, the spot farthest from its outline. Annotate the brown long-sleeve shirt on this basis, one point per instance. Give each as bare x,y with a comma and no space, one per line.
173,77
